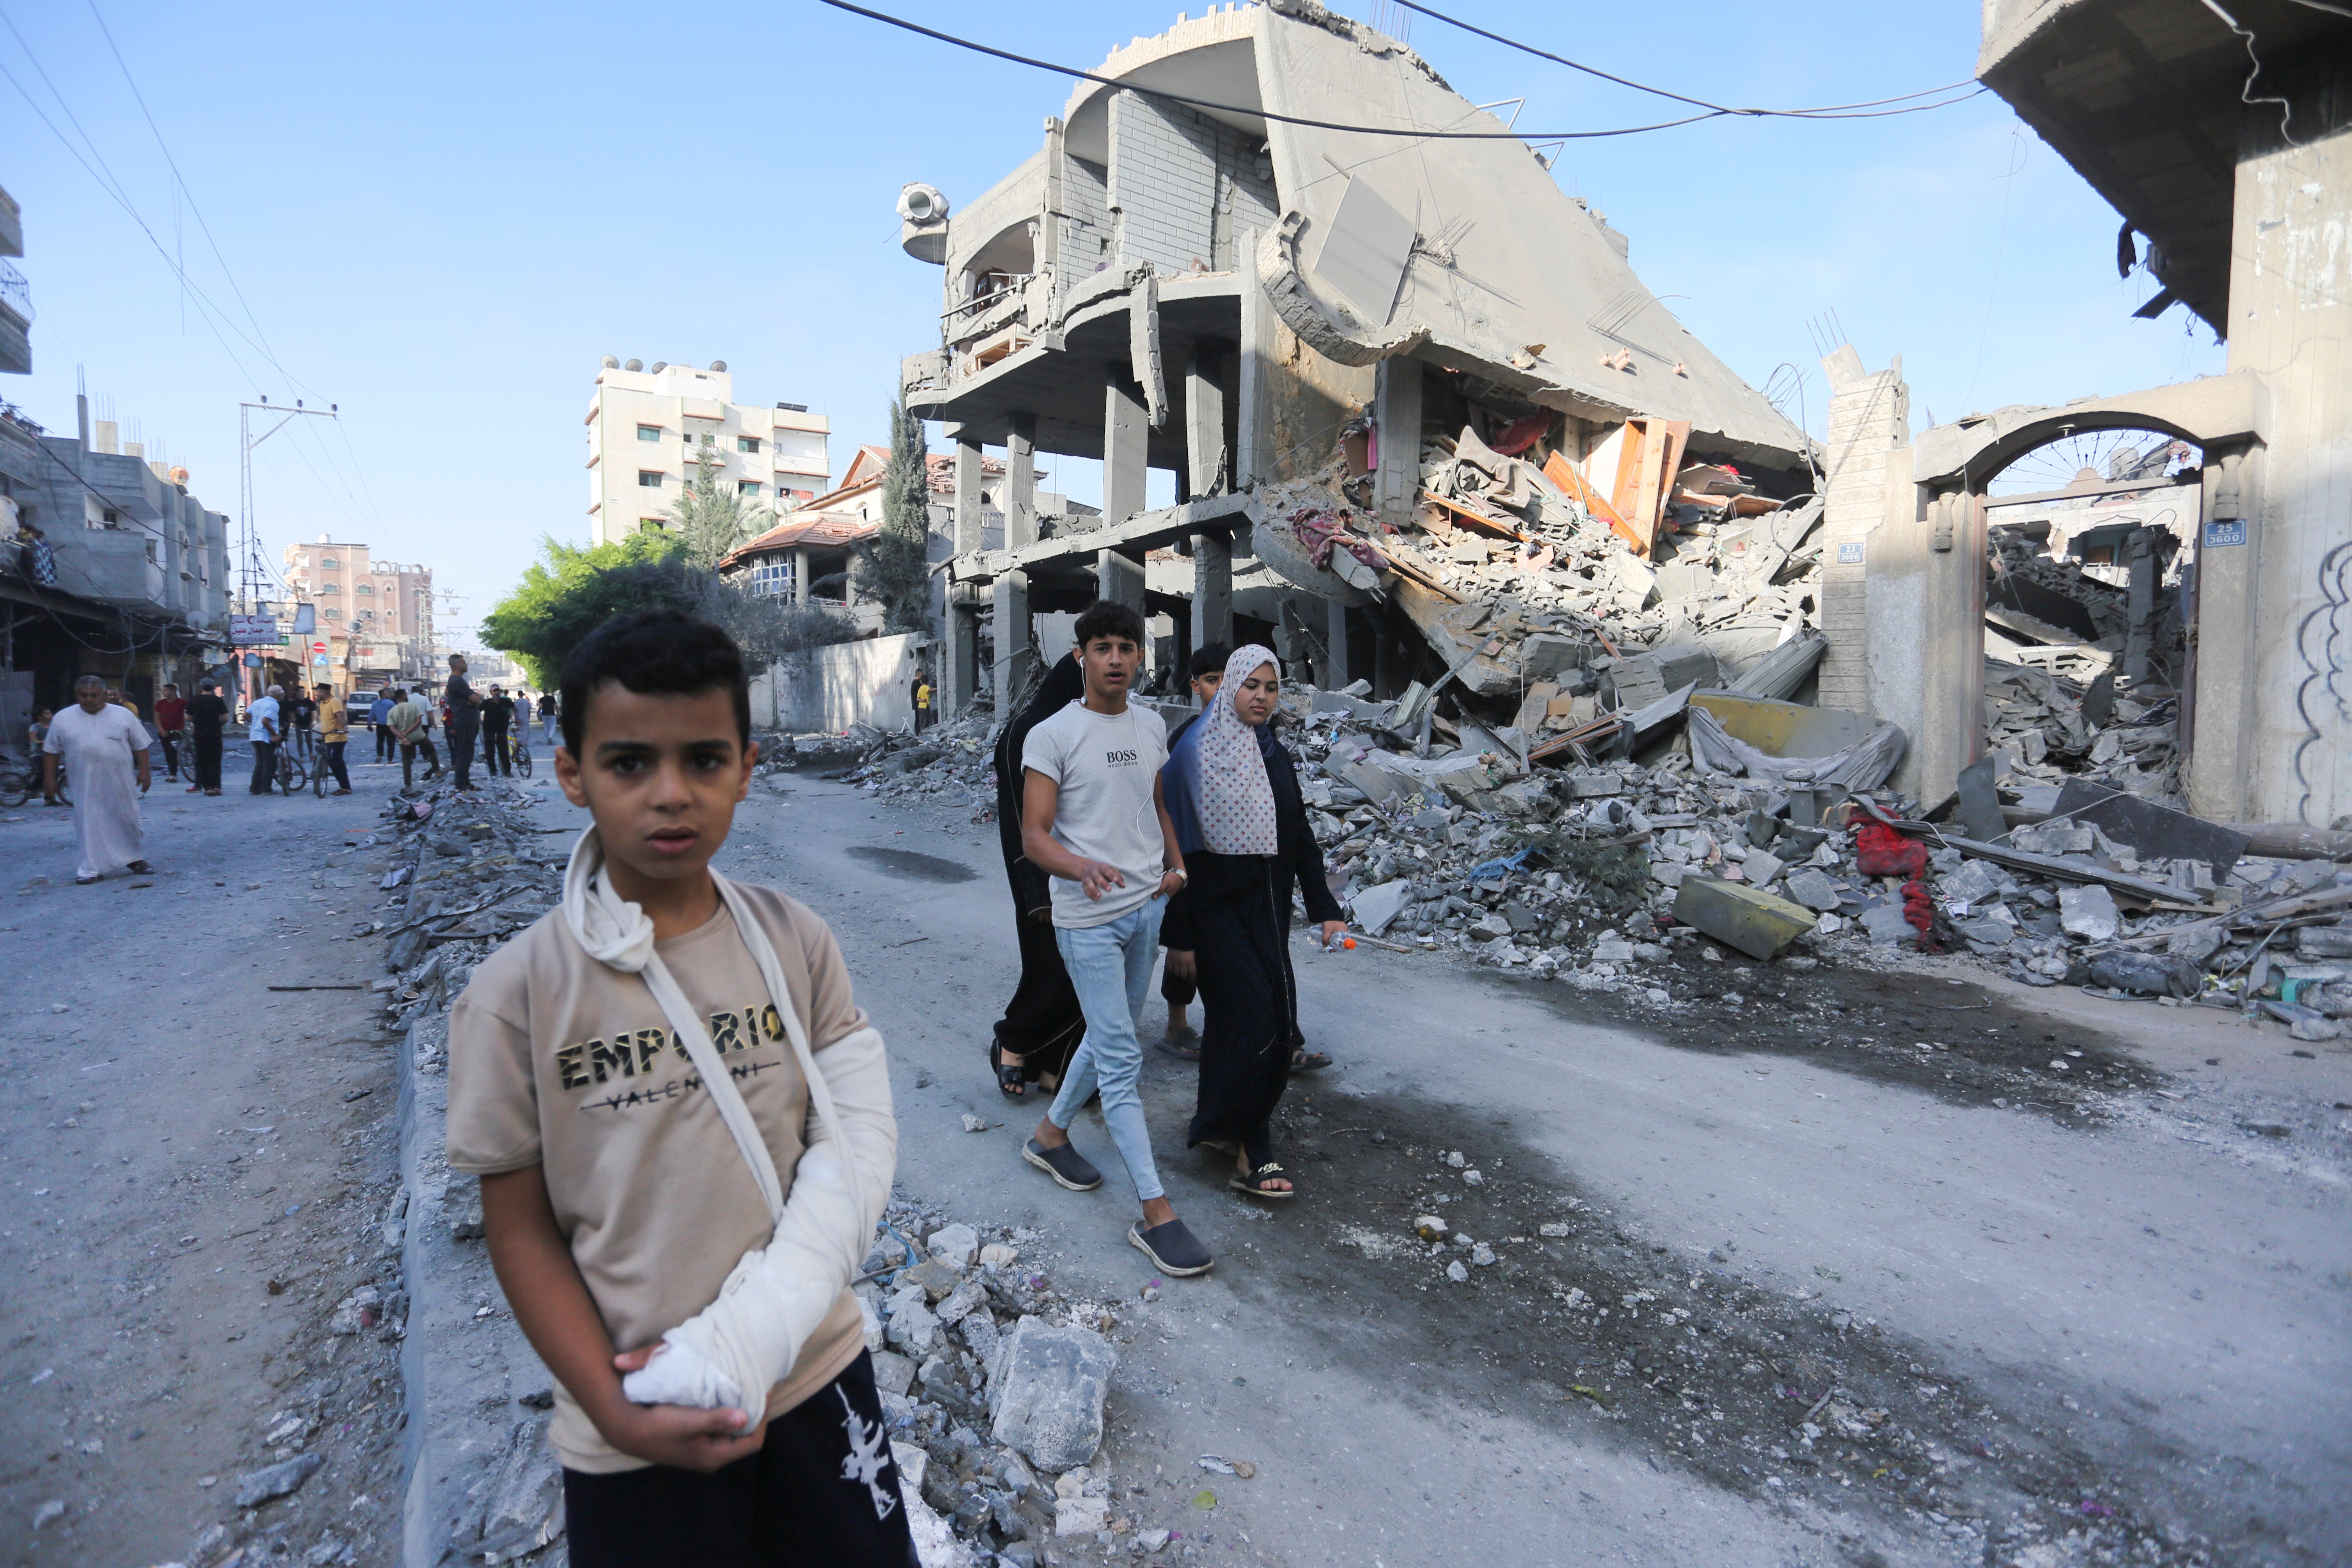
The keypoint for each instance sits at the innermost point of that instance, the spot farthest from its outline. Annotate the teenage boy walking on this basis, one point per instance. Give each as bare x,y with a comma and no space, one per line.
658,1226
1092,820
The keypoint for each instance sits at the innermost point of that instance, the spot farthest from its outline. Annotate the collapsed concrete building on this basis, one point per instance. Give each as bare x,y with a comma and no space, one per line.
1431,437
1293,318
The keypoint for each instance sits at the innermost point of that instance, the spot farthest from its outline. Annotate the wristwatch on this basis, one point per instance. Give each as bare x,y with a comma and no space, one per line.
1180,875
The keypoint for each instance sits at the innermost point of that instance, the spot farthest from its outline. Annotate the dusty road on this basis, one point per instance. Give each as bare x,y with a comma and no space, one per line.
1826,1269
1856,1269
195,1165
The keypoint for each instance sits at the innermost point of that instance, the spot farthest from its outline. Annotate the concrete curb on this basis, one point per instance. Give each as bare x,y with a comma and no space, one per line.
479,1483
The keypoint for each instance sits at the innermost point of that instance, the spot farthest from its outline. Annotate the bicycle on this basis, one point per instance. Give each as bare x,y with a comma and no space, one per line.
523,752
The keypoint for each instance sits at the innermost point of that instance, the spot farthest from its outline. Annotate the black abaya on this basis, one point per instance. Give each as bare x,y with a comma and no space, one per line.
1043,1024
1241,945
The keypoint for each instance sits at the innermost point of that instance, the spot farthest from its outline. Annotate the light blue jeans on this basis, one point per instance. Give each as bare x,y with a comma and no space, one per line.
1110,968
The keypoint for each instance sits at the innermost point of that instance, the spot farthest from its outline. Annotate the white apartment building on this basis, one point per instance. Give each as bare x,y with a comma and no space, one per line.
646,428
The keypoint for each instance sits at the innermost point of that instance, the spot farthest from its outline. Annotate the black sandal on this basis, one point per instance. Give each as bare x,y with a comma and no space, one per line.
1009,1081
1254,1184
1304,1061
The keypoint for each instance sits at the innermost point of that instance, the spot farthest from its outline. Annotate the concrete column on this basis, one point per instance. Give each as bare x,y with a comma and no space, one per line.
964,648
1951,727
1396,416
1119,580
2272,638
1213,589
1869,424
2221,649
2139,630
801,576
1209,471
967,495
1016,644
1127,431
1019,480
1335,615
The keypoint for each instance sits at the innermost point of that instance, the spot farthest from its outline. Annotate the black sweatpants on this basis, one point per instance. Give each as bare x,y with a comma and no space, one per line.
265,766
383,742
171,739
498,755
822,1490
207,761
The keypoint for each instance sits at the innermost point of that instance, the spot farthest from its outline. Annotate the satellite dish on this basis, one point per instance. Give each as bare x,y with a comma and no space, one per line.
919,203
610,363
660,365
718,364
634,364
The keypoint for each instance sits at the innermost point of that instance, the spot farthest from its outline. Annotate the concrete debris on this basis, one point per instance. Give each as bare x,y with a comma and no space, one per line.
997,1415
282,1480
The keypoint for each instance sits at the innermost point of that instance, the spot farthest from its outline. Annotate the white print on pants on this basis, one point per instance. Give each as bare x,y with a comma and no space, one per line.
869,1456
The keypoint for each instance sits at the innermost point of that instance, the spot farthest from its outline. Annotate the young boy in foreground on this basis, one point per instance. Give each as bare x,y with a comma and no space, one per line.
617,1199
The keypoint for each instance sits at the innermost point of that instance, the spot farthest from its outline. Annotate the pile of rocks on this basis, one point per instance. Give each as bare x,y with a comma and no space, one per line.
994,1388
469,871
952,763
1576,873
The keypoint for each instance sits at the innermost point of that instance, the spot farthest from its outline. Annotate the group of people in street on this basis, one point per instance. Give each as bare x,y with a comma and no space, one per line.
101,745
1119,841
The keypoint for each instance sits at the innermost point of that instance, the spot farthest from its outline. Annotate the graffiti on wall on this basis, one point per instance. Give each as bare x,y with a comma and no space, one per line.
2324,700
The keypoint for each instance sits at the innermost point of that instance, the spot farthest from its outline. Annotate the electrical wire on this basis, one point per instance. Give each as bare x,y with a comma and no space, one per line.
1830,111
1410,133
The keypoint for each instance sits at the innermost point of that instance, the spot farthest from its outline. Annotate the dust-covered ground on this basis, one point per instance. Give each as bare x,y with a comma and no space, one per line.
199,1166
1836,1266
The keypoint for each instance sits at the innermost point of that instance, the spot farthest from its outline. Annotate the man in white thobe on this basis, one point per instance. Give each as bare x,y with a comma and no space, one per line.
104,749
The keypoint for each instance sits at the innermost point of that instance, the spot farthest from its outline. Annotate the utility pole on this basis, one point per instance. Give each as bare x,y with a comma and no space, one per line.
251,575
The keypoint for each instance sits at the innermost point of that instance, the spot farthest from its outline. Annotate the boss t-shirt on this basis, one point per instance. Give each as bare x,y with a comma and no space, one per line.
1105,764
558,1061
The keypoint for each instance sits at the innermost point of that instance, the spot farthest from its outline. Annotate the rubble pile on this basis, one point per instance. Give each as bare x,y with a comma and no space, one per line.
992,1389
953,764
470,871
1451,835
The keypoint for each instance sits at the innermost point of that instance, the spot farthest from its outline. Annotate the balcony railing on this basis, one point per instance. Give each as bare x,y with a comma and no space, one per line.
15,292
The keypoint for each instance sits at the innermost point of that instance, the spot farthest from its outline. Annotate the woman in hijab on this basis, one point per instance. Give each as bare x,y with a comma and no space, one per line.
1233,794
1042,1024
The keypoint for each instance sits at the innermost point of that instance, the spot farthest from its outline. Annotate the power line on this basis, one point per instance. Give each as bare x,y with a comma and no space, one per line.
1830,111
1410,133
181,183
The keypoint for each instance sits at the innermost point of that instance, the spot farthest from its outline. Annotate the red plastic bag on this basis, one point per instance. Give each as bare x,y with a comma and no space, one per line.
1880,851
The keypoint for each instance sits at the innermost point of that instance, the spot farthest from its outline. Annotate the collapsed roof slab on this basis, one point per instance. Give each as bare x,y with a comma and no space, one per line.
1495,268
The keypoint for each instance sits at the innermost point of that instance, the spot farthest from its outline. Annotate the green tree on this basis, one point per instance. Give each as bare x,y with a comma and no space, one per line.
573,589
894,567
711,517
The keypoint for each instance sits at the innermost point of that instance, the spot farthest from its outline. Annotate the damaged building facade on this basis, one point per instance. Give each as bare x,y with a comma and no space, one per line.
2176,612
1420,412
1432,438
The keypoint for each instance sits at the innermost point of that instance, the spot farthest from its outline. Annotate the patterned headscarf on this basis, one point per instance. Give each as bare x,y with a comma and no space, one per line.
1218,794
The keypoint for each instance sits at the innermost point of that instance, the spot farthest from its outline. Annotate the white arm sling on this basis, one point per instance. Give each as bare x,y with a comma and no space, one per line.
735,1349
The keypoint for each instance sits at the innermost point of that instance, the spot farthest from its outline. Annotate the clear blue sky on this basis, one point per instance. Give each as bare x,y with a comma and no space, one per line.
441,216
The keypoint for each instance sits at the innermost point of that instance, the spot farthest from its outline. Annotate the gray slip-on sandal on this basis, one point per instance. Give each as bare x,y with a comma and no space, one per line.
1065,1164
1175,1249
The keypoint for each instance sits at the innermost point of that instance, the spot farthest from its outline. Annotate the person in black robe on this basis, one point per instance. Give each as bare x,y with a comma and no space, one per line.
1042,1024
1240,914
